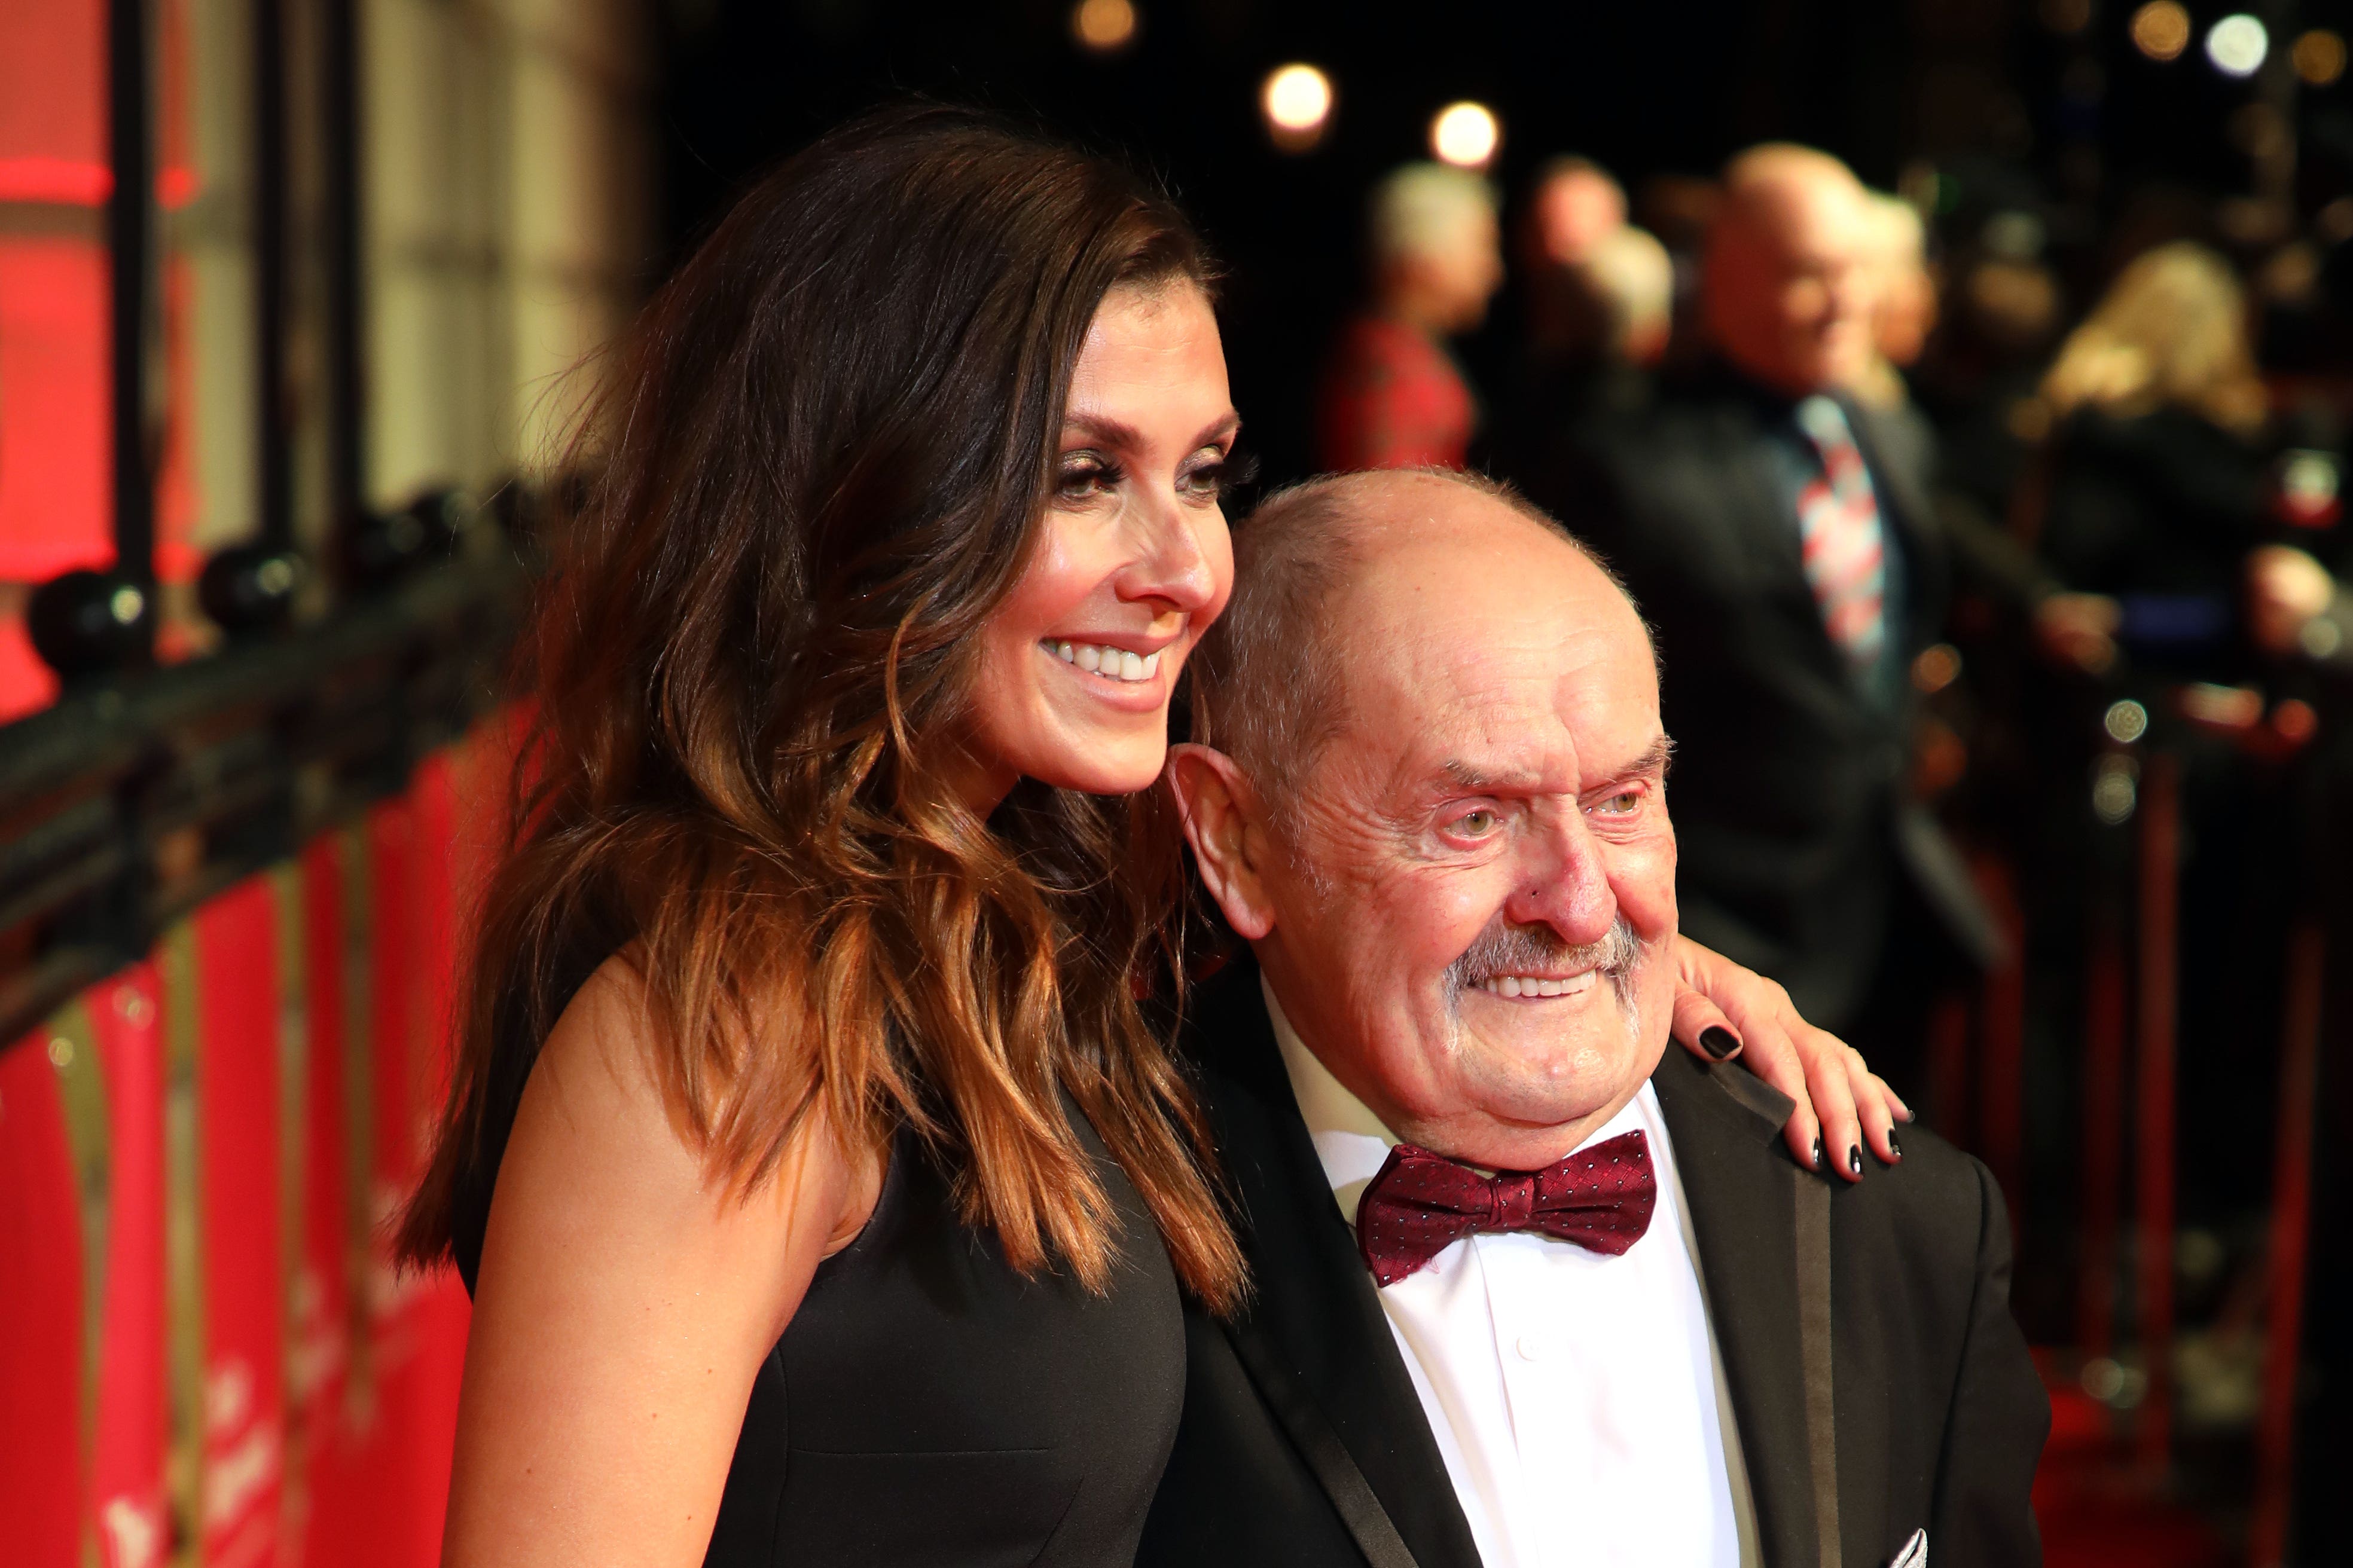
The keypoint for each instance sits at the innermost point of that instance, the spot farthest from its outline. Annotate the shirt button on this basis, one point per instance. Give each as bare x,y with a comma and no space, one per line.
1533,1347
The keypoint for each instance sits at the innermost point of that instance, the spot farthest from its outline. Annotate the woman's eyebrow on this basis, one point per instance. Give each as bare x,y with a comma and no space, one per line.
1103,430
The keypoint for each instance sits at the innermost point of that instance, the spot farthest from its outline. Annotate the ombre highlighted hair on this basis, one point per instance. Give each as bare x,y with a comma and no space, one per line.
822,465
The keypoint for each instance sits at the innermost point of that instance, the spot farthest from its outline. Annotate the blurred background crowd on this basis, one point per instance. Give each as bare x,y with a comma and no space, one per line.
1962,388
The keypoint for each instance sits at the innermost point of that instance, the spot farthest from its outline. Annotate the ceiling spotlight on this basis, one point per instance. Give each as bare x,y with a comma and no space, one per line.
1465,135
1297,100
2161,30
1105,26
2319,57
2237,45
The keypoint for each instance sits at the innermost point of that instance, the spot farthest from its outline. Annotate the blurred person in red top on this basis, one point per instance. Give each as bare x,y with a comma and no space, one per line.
1392,395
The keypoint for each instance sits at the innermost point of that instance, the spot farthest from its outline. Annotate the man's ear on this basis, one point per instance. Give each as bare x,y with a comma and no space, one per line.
1221,822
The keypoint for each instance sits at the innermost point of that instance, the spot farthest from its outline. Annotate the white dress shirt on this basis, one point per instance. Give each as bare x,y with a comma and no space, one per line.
1578,1399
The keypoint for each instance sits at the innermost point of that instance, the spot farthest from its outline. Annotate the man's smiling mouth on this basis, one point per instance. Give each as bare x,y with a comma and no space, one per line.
1538,985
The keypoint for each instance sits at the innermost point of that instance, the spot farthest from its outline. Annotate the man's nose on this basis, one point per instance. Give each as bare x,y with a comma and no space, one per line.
1567,887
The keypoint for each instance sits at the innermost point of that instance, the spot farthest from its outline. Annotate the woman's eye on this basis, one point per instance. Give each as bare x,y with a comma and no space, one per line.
1219,474
1083,477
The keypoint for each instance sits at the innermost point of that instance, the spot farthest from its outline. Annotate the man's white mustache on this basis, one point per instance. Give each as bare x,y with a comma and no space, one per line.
1505,948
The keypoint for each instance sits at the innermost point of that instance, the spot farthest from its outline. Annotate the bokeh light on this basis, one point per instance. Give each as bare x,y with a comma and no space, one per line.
2237,45
2067,17
1297,101
1465,135
2161,30
2319,57
1105,26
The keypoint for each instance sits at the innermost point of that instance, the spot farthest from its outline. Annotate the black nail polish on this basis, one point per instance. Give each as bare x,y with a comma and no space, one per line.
1854,1159
1892,1146
1718,1041
1818,1152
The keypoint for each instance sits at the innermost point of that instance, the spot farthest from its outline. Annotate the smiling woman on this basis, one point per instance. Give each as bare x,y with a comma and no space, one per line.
805,1074
1132,561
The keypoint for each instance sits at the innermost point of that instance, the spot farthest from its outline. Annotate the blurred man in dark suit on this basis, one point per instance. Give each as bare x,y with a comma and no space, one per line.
1782,543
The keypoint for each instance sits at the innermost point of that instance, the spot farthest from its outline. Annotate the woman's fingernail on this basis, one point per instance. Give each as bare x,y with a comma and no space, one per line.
1718,1041
1854,1158
1818,1152
1892,1146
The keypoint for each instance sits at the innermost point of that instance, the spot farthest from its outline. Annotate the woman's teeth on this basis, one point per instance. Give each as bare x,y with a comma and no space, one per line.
1530,985
1117,663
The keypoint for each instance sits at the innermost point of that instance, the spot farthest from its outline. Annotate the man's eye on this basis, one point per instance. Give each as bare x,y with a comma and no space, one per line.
1477,824
1622,802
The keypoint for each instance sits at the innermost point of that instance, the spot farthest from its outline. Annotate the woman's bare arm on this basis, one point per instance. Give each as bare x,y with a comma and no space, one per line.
623,1307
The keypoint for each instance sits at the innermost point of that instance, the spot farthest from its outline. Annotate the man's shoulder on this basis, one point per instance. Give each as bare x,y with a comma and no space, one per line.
1936,1205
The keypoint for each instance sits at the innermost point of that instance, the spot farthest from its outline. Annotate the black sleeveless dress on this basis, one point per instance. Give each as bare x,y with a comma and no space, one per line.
930,1407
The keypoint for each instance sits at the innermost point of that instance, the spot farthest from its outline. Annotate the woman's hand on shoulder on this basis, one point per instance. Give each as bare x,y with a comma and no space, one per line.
1839,1100
625,1302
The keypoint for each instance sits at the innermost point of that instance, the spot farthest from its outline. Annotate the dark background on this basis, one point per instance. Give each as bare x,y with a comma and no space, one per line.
2040,105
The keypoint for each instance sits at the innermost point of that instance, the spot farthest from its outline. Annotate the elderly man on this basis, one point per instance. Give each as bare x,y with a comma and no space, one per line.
1782,540
1529,1288
1392,395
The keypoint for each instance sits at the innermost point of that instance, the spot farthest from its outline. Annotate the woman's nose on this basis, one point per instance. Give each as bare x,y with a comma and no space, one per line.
1173,565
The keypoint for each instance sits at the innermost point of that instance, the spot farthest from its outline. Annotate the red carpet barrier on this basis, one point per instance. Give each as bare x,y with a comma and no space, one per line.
129,1506
327,1480
416,1327
205,1354
41,1344
237,1011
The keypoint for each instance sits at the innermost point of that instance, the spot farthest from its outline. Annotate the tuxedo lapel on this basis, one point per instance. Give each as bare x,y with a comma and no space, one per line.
1742,1190
1313,1318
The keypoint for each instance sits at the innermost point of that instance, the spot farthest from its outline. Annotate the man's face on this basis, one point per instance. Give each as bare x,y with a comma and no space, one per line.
1475,888
1790,290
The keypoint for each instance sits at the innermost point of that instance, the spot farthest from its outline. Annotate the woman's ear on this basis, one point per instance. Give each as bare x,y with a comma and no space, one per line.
1221,813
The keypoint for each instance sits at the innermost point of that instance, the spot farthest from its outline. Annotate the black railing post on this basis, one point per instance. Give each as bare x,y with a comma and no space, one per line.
131,237
275,478
347,357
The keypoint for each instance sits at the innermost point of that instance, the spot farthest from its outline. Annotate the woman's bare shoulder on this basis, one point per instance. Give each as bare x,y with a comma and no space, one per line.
599,1137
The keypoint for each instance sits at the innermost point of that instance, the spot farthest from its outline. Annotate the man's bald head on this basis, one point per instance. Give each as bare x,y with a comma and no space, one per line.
1788,288
1462,894
1268,679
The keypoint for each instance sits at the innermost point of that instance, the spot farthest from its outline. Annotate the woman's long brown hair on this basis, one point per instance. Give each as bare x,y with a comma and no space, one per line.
822,465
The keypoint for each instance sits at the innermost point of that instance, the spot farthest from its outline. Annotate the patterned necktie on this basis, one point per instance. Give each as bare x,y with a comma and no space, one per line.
1420,1202
1838,532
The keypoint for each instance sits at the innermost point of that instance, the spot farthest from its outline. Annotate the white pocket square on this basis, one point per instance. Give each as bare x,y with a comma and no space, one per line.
1914,1553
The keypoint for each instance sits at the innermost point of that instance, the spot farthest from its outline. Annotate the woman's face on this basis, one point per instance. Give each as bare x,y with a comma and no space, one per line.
1132,563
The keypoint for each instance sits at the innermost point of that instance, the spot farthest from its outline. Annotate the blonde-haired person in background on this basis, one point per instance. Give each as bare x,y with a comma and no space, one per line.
2153,469
1392,396
2170,333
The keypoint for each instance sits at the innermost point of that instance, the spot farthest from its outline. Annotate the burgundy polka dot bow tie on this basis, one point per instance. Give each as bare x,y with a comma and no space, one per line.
1599,1199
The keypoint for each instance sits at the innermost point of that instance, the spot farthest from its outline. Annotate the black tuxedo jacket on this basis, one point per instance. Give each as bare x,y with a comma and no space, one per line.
1301,1420
1796,829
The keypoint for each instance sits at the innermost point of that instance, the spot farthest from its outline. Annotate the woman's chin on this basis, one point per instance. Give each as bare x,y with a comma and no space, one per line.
1116,765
